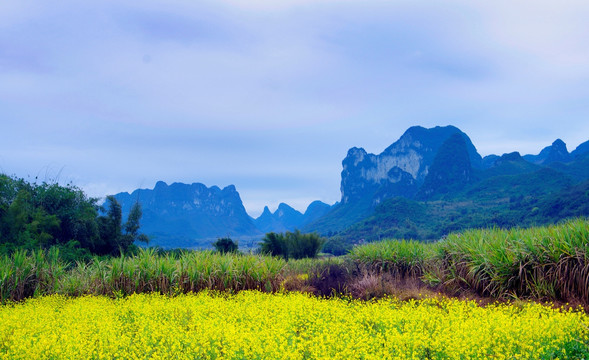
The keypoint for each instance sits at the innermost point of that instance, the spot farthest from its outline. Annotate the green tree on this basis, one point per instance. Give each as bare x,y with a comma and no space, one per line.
274,244
40,216
132,226
225,245
76,213
111,228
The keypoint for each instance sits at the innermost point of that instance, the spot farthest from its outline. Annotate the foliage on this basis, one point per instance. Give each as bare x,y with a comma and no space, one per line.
450,170
25,274
543,262
292,245
254,325
547,263
41,216
539,198
225,245
336,247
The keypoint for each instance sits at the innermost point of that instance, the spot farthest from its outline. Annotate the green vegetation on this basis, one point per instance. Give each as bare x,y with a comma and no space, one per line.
550,262
292,245
525,200
546,263
34,217
225,245
37,273
450,170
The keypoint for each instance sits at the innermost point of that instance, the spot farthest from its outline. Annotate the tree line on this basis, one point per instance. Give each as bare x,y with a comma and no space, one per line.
40,216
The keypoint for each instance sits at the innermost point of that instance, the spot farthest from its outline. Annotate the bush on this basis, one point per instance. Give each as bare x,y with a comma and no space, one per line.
336,247
292,245
225,245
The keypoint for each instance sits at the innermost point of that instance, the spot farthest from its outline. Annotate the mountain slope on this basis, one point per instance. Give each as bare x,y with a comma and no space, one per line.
182,215
400,170
553,153
505,201
285,218
581,150
450,170
444,186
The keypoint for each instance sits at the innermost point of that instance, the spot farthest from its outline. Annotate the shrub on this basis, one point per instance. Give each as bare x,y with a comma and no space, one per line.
225,245
292,245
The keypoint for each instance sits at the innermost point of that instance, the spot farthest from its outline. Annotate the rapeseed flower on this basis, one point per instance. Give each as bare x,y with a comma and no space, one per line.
255,325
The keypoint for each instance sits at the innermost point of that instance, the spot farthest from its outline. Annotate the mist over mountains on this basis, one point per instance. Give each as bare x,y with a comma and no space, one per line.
427,183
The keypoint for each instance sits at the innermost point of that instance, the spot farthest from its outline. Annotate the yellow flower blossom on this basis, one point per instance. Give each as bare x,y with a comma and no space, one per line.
255,325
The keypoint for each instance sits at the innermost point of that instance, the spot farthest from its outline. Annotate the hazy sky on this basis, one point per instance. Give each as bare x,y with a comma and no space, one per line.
269,95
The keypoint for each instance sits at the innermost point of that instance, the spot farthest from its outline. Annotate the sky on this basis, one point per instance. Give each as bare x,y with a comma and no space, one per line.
269,95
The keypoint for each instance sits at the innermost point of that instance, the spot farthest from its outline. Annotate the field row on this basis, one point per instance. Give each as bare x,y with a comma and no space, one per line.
550,262
546,263
256,325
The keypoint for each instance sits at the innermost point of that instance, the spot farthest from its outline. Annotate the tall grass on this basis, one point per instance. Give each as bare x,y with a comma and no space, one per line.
550,262
23,275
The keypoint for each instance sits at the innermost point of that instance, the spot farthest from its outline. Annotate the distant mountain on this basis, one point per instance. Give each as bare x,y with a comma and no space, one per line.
581,150
432,181
509,164
489,160
183,215
426,184
285,218
553,153
315,210
400,170
450,171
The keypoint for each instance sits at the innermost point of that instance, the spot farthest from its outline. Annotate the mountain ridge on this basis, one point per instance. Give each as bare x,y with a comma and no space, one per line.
183,214
436,174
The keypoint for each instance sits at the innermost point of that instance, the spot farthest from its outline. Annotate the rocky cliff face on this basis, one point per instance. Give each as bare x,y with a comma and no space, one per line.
183,213
401,168
399,171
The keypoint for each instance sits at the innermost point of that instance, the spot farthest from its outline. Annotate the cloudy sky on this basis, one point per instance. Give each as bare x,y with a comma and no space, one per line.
269,95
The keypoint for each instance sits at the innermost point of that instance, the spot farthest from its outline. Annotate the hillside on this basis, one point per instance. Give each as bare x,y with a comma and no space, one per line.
424,185
183,215
455,192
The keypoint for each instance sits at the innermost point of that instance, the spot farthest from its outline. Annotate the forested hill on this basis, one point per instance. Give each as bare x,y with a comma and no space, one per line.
424,190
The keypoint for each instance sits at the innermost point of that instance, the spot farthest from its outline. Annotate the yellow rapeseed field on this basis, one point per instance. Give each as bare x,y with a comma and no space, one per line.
255,325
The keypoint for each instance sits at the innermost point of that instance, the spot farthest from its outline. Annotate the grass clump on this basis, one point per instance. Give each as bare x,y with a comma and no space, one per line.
550,262
25,274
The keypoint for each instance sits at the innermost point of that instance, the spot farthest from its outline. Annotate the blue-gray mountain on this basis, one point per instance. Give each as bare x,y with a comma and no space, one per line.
427,183
400,170
557,152
183,215
433,181
285,218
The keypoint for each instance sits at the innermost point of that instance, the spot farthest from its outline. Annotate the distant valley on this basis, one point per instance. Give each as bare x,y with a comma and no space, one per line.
426,184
